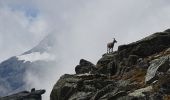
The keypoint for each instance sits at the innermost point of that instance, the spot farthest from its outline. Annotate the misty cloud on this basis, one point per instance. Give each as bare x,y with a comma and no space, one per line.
82,28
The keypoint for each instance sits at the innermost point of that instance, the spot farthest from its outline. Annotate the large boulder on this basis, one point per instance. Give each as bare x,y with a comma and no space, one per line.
107,64
85,67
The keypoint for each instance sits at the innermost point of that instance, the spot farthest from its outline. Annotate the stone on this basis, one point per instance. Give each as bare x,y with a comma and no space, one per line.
81,96
111,68
156,96
132,60
72,86
165,86
142,63
139,92
25,95
106,65
84,67
113,95
168,31
161,65
167,51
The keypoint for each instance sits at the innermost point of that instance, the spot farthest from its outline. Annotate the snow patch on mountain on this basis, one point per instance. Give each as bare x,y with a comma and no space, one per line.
36,56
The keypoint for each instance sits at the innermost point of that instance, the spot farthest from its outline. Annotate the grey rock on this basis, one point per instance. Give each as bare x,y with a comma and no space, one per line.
25,95
81,96
141,63
103,91
139,92
107,64
132,60
85,67
72,86
157,65
156,96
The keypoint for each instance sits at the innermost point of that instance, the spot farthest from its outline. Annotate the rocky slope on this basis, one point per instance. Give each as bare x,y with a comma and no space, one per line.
136,71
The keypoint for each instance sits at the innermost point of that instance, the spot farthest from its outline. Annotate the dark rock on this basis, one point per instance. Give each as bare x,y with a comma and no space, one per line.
63,90
105,60
132,60
130,98
113,95
103,91
168,30
81,96
150,45
111,68
72,86
156,96
33,90
142,63
84,67
107,64
84,62
165,86
25,95
122,69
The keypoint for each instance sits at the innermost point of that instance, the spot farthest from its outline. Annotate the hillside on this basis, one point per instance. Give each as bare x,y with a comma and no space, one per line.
136,71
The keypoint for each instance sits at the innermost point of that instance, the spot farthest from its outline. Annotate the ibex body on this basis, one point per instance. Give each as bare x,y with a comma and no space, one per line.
110,46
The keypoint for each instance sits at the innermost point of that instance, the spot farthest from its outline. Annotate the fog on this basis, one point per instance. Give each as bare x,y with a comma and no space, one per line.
82,29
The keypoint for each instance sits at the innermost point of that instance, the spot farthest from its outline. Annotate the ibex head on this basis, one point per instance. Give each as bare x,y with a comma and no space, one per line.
114,40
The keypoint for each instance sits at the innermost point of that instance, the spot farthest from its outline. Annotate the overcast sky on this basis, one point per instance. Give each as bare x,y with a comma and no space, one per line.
82,27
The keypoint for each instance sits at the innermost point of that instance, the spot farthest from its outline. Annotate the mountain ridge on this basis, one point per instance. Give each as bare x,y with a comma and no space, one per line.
136,71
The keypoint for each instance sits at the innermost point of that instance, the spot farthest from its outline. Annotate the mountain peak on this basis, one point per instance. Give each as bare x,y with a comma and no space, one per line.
45,45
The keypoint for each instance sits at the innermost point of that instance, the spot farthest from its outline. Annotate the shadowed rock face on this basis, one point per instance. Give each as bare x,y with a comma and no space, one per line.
85,67
125,74
152,44
25,95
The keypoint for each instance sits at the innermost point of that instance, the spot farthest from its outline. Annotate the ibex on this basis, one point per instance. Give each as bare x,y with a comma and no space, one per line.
110,46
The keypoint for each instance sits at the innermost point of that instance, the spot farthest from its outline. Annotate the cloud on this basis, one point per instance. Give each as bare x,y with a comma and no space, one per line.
16,31
82,28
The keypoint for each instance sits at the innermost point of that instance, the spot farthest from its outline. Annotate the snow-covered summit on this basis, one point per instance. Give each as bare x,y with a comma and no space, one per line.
46,45
36,56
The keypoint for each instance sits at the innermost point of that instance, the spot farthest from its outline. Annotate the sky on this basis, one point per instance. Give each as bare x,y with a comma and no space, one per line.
82,27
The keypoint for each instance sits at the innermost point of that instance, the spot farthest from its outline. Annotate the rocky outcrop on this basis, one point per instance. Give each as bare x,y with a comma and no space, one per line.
25,95
137,71
106,65
152,44
85,67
